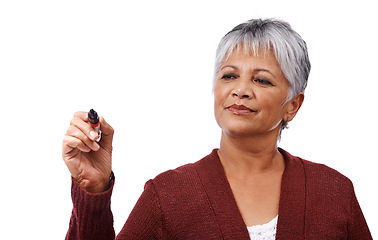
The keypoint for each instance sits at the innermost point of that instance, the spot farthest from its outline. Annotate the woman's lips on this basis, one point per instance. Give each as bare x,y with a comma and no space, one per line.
240,109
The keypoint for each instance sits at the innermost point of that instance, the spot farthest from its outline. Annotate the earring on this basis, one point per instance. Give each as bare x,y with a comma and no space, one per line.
287,123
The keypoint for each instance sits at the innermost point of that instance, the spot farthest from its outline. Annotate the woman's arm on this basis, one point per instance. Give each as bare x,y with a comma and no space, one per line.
92,185
357,226
90,165
146,219
91,215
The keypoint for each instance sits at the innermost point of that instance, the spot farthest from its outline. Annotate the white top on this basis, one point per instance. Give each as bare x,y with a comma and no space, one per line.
266,231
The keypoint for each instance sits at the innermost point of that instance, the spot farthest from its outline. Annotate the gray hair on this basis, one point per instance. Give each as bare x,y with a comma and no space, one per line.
289,49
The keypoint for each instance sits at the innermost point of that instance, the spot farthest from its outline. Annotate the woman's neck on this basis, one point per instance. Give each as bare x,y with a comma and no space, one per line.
248,156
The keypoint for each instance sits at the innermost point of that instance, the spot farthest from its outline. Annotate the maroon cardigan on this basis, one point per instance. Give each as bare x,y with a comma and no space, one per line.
195,201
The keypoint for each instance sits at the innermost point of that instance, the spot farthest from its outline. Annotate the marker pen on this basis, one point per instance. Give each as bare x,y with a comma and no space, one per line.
94,121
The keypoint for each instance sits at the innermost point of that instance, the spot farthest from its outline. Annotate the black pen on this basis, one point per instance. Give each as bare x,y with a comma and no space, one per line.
94,121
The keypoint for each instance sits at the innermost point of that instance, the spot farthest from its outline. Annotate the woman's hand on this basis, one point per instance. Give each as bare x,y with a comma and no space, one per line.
89,162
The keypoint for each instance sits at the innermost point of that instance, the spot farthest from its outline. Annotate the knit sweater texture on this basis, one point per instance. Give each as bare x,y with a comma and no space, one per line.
195,201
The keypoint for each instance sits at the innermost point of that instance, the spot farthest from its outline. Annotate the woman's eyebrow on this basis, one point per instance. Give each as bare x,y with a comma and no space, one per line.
231,66
254,70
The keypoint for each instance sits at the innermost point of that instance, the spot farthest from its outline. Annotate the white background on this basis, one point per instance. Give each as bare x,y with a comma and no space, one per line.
147,66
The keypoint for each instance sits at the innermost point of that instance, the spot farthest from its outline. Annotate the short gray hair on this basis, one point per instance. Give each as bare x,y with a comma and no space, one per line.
288,47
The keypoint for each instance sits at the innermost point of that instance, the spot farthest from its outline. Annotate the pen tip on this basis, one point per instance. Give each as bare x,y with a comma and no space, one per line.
92,114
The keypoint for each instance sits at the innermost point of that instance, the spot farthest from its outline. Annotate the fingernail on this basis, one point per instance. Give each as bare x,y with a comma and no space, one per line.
93,134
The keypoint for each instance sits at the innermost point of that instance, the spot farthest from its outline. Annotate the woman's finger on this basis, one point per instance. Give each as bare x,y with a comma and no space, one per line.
84,127
76,132
82,115
107,131
71,144
81,121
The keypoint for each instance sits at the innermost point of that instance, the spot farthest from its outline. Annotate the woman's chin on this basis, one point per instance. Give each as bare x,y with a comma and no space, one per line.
239,131
242,131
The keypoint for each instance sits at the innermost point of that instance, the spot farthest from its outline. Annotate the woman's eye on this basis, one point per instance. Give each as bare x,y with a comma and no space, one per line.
263,81
229,76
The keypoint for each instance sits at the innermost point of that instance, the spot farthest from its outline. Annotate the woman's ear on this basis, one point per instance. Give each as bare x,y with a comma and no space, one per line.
294,105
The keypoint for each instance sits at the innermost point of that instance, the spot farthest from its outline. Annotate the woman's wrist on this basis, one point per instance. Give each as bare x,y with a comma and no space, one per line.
98,187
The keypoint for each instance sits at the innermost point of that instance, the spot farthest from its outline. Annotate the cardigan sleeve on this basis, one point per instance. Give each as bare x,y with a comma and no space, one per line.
357,226
91,216
146,219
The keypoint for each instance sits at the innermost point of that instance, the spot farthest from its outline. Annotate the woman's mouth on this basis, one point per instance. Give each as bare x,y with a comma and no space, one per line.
240,109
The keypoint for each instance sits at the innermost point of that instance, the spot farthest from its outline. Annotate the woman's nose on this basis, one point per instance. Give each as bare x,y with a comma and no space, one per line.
239,95
242,91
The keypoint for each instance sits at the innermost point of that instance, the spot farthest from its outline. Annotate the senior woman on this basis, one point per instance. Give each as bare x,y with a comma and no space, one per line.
248,188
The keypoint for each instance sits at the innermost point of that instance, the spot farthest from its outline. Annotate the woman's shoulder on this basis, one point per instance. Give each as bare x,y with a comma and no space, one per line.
322,173
181,187
313,169
189,170
320,176
182,172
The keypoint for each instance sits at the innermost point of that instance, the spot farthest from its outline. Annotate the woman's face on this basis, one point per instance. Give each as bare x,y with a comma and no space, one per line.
249,94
